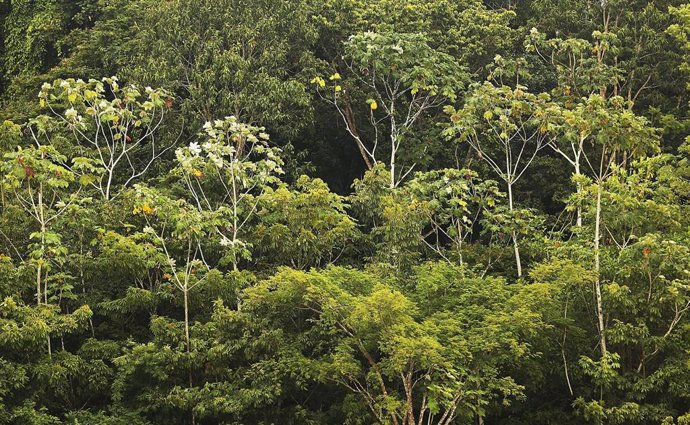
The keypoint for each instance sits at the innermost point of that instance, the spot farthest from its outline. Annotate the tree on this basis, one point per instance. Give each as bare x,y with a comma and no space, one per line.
227,59
403,76
45,189
453,202
35,38
179,231
470,30
392,223
611,48
406,357
644,292
117,126
310,216
507,128
226,174
615,134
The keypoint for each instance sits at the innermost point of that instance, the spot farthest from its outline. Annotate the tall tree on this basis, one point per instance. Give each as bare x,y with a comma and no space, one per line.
405,80
507,128
118,126
615,134
226,174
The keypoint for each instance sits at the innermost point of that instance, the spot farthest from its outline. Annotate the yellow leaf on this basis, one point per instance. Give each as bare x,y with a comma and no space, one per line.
338,88
373,105
72,97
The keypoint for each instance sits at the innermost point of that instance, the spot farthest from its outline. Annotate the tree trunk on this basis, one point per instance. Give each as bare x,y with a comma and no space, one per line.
350,122
392,170
459,242
394,143
39,271
38,283
516,248
107,187
392,163
185,292
579,189
597,286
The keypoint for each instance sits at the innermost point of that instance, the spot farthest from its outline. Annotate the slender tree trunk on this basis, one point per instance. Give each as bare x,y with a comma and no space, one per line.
39,271
107,187
394,144
38,282
351,123
392,163
409,401
516,248
235,198
45,289
518,262
379,376
185,293
392,169
578,173
565,359
597,270
234,244
459,242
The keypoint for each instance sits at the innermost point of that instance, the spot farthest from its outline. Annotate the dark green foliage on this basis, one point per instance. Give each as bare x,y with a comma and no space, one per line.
466,212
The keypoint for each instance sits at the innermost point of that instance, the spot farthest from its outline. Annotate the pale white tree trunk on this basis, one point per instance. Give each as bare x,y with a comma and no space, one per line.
579,189
516,248
597,270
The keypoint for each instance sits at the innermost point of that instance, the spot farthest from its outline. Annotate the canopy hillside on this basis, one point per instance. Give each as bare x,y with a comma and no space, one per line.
395,212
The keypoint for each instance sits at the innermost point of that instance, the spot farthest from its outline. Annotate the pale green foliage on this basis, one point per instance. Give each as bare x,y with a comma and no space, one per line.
405,80
468,30
410,356
610,123
578,62
46,188
405,61
116,125
506,127
174,222
26,327
453,202
310,216
226,173
499,119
